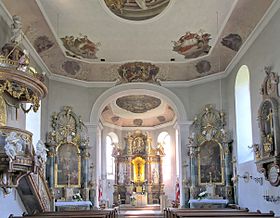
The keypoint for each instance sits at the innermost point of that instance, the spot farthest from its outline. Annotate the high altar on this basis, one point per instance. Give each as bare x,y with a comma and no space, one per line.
138,172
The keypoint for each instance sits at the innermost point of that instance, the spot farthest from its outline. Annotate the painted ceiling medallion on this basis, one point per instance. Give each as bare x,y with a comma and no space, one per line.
138,103
42,43
136,9
138,122
203,66
71,67
232,41
193,45
80,47
138,72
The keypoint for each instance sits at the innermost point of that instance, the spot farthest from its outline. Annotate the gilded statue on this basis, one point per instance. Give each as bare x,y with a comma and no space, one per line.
268,144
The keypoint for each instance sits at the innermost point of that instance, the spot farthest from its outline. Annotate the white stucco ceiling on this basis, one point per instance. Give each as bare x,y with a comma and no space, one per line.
119,41
122,40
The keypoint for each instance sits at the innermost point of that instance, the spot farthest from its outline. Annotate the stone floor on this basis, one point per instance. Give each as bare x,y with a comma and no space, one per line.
149,211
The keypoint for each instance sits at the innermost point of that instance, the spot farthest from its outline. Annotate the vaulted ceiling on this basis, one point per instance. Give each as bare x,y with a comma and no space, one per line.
91,40
136,40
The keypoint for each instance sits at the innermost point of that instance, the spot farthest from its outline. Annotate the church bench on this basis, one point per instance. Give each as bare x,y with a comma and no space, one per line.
170,212
108,213
223,214
63,216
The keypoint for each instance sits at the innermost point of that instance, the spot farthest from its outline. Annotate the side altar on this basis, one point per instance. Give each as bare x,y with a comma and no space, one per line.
138,170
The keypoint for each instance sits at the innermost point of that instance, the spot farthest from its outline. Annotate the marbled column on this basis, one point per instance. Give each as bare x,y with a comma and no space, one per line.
85,167
193,155
149,170
228,174
50,167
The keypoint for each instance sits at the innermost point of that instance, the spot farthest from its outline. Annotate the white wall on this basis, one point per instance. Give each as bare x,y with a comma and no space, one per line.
265,51
10,204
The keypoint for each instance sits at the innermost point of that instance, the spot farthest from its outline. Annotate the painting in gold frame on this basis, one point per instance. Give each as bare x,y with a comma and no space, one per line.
68,166
210,163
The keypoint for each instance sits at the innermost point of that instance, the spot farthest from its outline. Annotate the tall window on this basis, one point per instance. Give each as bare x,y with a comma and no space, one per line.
111,139
243,115
165,140
33,123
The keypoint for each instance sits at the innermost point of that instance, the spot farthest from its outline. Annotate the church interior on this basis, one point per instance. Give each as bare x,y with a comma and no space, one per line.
164,108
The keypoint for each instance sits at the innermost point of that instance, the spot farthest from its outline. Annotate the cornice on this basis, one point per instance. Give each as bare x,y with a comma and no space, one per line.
274,7
246,45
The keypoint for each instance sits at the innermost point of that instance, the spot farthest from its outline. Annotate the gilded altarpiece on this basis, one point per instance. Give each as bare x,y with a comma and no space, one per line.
267,153
138,169
68,155
210,155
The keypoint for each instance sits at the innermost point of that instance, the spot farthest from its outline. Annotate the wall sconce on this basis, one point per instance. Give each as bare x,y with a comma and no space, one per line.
245,176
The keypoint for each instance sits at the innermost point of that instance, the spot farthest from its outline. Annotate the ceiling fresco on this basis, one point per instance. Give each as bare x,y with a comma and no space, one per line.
80,47
145,117
84,40
136,9
138,103
193,45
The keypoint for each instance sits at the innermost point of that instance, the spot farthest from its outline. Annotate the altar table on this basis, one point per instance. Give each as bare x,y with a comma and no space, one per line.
141,200
72,205
208,203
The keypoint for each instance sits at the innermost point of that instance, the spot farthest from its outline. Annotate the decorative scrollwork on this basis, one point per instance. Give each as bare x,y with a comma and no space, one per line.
21,93
67,127
267,152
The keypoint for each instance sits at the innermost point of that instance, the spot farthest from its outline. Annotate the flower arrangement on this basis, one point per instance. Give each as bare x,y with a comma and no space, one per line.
202,195
133,199
77,197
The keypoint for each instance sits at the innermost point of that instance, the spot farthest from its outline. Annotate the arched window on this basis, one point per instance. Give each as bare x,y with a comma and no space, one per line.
33,123
243,115
165,140
111,139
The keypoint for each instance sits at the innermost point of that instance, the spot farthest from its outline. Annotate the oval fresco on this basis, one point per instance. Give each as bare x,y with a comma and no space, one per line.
138,103
136,10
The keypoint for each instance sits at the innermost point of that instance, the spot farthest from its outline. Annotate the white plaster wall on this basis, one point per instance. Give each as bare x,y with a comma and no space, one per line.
10,204
195,97
265,51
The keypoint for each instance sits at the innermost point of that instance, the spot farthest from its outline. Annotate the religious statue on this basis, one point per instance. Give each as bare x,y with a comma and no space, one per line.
121,175
16,30
41,151
155,176
14,145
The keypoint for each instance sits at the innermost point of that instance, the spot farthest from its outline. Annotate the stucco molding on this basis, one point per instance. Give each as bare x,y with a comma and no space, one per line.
136,88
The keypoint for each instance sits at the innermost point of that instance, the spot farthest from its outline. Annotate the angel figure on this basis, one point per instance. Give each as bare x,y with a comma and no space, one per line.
16,28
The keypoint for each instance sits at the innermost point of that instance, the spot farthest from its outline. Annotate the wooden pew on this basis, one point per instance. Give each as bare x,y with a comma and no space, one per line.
170,212
224,214
107,213
221,212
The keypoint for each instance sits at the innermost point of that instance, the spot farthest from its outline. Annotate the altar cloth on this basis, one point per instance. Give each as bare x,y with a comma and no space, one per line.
208,203
72,203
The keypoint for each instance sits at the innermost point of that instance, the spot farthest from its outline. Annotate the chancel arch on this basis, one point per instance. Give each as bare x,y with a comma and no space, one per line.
110,103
